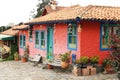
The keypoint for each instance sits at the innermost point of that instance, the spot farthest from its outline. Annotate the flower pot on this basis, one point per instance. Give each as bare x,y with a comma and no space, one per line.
109,69
24,59
16,59
49,66
64,64
85,72
76,70
84,65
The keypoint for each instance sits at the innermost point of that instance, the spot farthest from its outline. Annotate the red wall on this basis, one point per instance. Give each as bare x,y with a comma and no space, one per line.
90,40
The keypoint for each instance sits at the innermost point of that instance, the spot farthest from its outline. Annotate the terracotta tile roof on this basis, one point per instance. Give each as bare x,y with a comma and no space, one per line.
64,14
13,32
88,12
18,27
101,12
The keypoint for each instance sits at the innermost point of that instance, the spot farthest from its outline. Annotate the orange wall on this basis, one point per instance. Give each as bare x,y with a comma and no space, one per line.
90,40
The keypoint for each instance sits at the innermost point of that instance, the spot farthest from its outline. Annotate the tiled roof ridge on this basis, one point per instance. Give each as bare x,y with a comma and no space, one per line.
105,6
93,12
87,8
67,8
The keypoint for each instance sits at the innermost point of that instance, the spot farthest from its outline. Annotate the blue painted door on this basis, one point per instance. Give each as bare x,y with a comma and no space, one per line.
50,43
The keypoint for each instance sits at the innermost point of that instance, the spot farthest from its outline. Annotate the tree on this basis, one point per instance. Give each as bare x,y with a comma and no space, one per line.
2,28
115,51
40,7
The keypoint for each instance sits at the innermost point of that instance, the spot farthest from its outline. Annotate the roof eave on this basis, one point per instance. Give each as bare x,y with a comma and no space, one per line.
52,22
20,29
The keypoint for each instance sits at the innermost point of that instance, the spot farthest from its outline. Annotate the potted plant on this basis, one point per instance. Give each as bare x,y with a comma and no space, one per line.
16,56
49,66
65,60
78,63
25,55
84,61
77,67
94,60
107,65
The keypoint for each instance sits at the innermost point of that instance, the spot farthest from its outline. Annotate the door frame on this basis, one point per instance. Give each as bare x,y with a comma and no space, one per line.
50,27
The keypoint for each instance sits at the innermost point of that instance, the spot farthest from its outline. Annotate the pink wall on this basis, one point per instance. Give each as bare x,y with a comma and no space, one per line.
90,40
32,49
60,41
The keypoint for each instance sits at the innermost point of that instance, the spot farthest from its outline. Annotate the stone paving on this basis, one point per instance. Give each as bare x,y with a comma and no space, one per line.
16,70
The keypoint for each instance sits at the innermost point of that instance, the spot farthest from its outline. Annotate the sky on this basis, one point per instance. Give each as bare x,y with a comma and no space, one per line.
16,11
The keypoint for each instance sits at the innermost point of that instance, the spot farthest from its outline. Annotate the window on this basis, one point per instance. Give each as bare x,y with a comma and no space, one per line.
72,36
30,35
22,41
37,39
42,40
106,31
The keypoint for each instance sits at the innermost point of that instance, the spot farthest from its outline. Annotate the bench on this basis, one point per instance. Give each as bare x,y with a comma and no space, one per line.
36,60
55,62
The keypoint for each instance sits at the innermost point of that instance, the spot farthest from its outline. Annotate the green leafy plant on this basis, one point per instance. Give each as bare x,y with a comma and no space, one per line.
16,55
94,59
84,59
77,61
106,62
65,57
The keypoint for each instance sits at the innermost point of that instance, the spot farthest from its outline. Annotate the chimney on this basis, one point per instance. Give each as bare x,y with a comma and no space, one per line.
53,4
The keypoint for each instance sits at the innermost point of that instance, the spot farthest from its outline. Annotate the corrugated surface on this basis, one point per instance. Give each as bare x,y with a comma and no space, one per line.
13,32
88,12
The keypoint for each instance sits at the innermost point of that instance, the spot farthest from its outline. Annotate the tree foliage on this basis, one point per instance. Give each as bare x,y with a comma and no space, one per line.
40,7
3,28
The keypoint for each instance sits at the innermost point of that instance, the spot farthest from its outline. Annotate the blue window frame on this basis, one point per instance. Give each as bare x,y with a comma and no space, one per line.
105,31
37,39
30,32
72,36
22,41
42,39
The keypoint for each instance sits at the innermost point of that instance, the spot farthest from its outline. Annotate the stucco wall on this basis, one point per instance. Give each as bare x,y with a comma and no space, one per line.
90,40
59,37
60,40
31,44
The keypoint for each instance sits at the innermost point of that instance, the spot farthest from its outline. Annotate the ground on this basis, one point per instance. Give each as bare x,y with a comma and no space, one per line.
16,70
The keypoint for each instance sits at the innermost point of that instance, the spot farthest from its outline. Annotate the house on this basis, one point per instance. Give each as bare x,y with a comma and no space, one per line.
83,30
8,40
